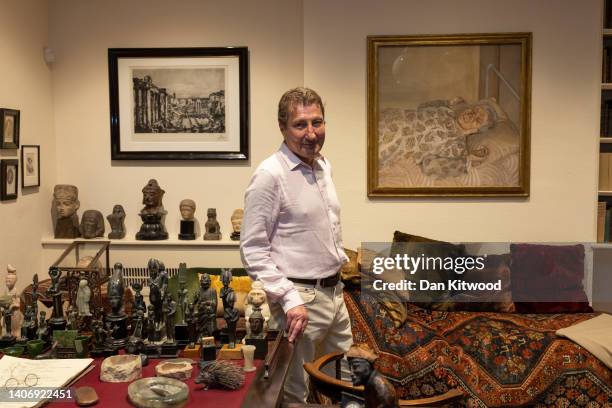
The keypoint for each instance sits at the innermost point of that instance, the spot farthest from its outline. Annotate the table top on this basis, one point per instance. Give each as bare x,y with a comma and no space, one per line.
256,392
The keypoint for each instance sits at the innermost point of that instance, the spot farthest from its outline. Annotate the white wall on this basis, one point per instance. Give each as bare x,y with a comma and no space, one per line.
564,128
322,44
26,85
82,31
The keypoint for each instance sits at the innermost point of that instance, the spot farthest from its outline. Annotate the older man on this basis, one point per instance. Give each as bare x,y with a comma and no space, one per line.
291,237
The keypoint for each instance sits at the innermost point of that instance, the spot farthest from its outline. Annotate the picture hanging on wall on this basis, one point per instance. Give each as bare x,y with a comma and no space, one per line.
8,178
10,128
179,103
449,115
30,166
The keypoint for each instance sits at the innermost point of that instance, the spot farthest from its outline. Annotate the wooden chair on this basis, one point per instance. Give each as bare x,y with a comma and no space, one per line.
325,386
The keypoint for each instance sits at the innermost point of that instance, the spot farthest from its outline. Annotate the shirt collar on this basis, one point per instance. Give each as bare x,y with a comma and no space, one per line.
292,160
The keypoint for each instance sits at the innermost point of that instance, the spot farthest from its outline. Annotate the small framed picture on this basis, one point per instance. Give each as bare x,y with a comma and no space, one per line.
30,166
10,128
8,178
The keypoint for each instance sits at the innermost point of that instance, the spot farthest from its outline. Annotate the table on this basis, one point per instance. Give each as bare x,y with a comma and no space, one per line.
257,392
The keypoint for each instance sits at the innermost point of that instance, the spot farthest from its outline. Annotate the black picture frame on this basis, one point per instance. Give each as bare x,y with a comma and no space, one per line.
9,119
152,129
9,175
30,166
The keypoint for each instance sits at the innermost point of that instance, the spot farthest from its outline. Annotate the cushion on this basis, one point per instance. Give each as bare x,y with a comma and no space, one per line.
595,335
416,246
496,267
548,278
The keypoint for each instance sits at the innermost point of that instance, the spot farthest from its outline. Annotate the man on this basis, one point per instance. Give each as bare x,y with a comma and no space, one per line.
291,237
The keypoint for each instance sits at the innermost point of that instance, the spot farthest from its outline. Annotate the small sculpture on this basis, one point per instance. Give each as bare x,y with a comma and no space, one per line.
182,290
139,303
43,331
378,392
213,229
152,214
256,298
57,321
206,301
220,374
191,319
83,297
226,279
236,220
35,294
187,207
72,314
117,319
256,324
28,328
65,205
92,224
158,284
15,305
169,310
116,221
6,315
151,324
231,316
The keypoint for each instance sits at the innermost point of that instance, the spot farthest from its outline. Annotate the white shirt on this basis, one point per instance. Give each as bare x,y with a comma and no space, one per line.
291,225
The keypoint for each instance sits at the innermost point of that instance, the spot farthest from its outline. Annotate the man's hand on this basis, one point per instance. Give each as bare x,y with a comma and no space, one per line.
297,320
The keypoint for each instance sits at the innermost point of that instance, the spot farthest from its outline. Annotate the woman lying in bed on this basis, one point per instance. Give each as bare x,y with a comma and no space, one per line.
436,135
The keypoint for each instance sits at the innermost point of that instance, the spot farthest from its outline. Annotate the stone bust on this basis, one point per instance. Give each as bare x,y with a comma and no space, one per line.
152,195
213,229
236,219
116,221
187,208
378,392
92,224
65,206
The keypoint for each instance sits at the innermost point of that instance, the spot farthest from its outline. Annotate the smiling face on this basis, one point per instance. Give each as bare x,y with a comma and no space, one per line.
304,132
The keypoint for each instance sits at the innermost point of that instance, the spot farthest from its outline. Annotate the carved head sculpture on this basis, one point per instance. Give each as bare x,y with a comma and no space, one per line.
153,267
11,277
361,362
257,295
187,207
116,288
117,216
256,322
65,200
236,219
152,195
92,224
226,276
205,281
211,213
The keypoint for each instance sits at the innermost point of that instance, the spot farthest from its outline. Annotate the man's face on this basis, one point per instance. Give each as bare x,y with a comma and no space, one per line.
360,371
304,131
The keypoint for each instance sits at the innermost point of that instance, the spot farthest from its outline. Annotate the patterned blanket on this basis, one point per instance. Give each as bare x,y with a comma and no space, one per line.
497,359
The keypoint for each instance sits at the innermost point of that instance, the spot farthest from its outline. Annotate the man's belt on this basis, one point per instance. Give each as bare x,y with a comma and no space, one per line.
328,282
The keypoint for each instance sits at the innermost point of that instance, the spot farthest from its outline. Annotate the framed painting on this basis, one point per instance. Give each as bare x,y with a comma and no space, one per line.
10,128
449,115
8,179
30,166
179,103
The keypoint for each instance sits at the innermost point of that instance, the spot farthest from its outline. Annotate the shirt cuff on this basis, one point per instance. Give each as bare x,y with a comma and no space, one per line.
290,300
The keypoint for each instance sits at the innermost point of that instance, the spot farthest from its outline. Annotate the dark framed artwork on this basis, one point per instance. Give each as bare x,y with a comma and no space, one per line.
10,128
30,166
179,103
8,179
449,115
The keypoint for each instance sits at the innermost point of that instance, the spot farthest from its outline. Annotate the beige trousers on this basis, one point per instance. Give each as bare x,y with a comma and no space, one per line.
328,330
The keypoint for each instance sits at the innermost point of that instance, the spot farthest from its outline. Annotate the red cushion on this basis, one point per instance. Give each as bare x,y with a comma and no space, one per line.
548,278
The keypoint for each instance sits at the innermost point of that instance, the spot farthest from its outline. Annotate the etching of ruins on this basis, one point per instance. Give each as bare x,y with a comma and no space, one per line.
179,100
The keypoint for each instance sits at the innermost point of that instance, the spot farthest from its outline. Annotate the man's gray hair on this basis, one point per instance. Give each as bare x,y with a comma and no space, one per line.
294,97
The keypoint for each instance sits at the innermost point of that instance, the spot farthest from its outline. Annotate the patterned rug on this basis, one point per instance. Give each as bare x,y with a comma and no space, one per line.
497,359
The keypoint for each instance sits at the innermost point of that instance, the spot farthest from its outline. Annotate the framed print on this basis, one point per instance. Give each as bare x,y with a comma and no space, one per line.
10,128
179,103
8,178
449,115
30,166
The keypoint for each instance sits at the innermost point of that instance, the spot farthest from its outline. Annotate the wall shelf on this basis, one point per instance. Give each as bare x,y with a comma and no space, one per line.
45,242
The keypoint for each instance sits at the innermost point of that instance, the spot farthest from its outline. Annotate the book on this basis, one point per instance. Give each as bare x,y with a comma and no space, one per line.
601,220
58,373
603,171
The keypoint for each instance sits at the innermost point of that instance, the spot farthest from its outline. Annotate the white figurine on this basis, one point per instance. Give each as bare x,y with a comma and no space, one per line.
256,297
83,296
15,306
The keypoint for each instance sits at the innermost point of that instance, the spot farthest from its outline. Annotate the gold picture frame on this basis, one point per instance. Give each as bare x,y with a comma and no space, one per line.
449,115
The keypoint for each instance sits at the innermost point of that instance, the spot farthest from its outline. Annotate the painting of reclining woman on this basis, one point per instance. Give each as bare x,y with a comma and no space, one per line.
449,115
